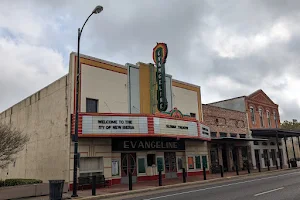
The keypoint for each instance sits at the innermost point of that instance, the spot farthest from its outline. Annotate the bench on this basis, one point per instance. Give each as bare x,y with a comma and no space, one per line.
83,181
88,181
100,180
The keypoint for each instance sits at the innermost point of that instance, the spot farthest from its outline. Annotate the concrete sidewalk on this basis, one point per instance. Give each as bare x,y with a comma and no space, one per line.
154,184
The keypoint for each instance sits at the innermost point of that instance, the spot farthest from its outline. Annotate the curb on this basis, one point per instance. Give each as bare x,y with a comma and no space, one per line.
157,188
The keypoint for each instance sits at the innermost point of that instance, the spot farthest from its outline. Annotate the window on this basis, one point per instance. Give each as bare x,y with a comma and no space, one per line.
198,162
234,135
213,134
141,165
160,163
255,143
264,143
269,119
204,161
91,105
191,162
150,160
275,118
193,115
272,143
179,161
242,135
261,117
252,115
222,134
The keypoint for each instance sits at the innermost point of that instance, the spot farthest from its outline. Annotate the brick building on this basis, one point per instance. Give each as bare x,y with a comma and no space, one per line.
262,115
230,138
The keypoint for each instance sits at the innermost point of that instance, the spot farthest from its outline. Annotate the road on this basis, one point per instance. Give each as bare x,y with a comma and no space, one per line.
280,186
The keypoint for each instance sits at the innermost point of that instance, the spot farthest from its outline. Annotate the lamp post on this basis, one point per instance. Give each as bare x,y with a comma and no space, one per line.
97,10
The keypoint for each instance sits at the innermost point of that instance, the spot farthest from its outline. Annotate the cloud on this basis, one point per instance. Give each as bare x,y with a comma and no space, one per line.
23,72
229,48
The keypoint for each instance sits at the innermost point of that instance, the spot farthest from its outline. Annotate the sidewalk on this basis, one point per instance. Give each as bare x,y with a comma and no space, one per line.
149,184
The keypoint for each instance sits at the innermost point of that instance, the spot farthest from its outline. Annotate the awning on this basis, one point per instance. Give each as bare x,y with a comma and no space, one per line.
233,139
272,132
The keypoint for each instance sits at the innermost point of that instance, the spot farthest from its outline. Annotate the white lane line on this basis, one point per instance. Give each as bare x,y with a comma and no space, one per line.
220,186
266,192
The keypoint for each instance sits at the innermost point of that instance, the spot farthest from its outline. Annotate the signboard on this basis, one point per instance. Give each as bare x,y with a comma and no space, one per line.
204,131
160,53
146,144
114,124
115,167
175,127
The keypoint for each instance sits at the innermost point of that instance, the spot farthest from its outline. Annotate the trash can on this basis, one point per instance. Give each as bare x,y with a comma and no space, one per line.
56,188
293,163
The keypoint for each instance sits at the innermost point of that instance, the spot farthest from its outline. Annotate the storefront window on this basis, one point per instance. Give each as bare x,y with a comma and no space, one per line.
160,164
198,162
179,160
191,162
141,165
151,159
204,161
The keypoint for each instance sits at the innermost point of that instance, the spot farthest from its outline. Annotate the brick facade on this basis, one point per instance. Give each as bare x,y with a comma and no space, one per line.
225,120
260,101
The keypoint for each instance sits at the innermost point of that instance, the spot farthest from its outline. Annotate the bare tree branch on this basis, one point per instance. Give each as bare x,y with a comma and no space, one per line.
12,141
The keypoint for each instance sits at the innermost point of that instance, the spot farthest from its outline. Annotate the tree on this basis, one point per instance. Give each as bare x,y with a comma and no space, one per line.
12,141
291,125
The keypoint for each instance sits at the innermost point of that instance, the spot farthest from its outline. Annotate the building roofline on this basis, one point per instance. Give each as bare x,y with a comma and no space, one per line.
34,93
223,108
98,60
190,84
228,99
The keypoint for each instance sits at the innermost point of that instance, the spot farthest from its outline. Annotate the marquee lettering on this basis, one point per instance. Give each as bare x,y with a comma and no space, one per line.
149,144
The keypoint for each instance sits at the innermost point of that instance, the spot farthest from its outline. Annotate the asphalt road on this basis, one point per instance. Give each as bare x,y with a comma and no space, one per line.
280,186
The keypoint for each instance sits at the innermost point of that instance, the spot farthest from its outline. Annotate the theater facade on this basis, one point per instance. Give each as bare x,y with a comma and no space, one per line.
142,145
120,127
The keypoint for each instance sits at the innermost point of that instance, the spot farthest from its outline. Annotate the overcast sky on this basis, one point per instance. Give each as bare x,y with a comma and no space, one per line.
229,48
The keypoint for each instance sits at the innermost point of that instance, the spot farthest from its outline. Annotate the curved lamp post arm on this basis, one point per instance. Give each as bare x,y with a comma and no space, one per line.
80,30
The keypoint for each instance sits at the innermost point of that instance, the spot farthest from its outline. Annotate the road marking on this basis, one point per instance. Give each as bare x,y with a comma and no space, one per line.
268,191
220,186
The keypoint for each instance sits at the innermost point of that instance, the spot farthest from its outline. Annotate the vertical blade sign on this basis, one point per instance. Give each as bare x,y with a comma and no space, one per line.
160,53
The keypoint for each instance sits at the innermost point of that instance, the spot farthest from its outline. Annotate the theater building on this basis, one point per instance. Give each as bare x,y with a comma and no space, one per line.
263,121
120,128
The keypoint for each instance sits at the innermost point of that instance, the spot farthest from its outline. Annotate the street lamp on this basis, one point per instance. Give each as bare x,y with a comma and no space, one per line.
97,10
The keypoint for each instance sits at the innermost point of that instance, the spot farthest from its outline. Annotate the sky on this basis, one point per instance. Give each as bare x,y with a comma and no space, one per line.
229,48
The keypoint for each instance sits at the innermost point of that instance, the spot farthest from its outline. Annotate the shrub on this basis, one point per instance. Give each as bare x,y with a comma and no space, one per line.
19,181
1,183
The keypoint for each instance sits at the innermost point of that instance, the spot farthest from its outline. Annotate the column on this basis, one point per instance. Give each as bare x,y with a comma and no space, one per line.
219,148
279,154
287,153
240,158
293,148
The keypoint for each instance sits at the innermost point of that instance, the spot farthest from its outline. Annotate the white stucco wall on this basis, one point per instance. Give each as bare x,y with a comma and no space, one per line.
261,147
43,116
185,100
110,88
